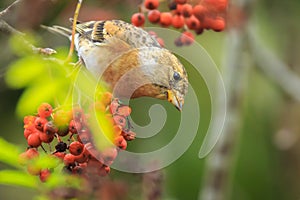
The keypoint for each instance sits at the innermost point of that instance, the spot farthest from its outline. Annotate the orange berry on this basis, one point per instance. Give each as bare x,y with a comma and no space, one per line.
74,126
181,1
121,142
138,19
99,106
199,11
28,131
165,19
84,136
117,130
45,110
114,106
154,16
218,24
40,123
187,38
178,21
46,138
76,148
120,120
109,155
50,128
59,155
187,10
151,4
192,23
82,158
69,159
104,170
33,140
44,175
124,111
128,135
33,169
106,98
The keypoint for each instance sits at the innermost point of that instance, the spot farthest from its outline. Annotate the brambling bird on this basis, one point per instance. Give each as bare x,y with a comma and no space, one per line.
114,49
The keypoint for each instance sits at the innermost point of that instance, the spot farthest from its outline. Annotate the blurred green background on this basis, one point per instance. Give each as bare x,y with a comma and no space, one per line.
263,156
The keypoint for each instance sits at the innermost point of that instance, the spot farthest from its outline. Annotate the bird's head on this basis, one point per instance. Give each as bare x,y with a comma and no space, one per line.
170,76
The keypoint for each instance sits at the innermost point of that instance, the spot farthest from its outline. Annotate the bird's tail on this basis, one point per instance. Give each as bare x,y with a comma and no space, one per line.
58,30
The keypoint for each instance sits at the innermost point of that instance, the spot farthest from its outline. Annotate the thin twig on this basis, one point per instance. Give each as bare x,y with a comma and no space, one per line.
273,67
6,28
9,8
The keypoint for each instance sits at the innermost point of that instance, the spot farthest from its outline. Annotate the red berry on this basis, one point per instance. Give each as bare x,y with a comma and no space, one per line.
124,111
216,5
78,114
218,24
109,155
28,155
128,135
69,159
82,157
40,123
187,38
74,126
151,4
154,16
121,142
120,120
178,21
76,148
32,153
28,120
44,175
161,42
199,11
45,110
207,22
138,19
179,9
84,136
50,128
59,155
165,19
46,138
114,106
187,10
28,131
181,1
192,23
33,140
104,170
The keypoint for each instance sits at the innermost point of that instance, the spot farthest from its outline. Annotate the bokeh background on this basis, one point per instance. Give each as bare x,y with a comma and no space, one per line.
258,155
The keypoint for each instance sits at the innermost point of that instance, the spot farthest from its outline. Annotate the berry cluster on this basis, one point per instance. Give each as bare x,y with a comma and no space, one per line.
187,15
68,132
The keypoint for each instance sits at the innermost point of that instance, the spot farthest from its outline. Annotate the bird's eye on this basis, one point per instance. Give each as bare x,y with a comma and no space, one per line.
176,76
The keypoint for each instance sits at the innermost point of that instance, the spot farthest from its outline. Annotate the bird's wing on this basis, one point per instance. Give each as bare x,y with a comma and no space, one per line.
100,32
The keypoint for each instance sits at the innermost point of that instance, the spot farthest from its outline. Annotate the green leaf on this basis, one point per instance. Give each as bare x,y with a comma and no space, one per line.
33,96
18,178
22,72
9,153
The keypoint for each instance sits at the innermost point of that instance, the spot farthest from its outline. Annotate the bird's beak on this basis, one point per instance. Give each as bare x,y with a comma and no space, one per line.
173,98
